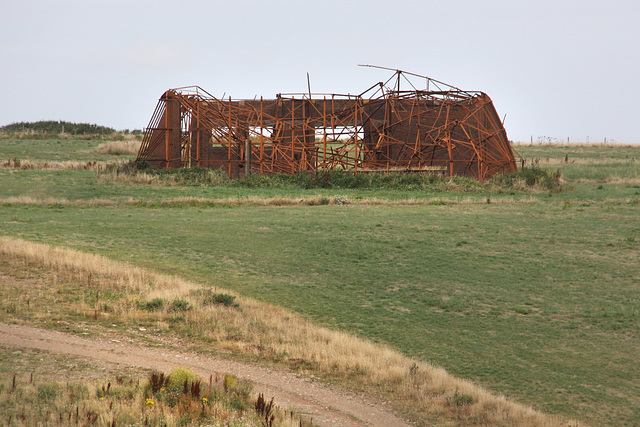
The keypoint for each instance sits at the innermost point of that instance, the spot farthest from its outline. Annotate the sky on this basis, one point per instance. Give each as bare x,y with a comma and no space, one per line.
555,69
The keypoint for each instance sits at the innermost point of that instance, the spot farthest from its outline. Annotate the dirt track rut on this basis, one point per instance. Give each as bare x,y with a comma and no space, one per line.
326,406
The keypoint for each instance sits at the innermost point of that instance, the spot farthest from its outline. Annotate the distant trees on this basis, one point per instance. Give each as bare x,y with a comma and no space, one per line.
57,127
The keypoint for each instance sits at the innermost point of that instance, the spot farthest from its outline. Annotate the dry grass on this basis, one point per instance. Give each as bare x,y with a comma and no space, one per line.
560,161
611,179
313,200
573,144
115,177
53,165
118,148
36,201
268,332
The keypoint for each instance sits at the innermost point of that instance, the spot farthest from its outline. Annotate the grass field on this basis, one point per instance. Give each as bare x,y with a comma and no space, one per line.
534,295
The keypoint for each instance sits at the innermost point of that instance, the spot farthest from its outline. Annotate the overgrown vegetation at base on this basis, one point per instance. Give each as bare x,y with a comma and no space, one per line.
529,176
526,178
176,399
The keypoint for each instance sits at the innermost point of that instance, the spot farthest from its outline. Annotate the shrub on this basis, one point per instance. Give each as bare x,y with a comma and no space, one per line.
153,305
180,305
531,176
222,299
459,399
210,298
178,376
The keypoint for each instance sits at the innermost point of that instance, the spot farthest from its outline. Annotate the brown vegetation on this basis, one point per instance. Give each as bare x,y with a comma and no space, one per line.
16,163
313,200
129,146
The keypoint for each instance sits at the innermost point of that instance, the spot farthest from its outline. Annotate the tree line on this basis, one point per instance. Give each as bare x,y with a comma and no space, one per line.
54,126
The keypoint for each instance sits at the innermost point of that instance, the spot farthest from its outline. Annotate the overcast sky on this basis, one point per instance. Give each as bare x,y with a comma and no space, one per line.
556,68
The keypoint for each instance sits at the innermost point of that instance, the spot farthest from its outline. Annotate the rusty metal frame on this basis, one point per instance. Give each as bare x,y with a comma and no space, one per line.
439,129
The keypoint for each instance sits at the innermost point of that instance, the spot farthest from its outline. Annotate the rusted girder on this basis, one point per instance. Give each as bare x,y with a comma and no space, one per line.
438,129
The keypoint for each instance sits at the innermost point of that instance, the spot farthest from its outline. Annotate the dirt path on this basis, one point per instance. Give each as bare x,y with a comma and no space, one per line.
327,407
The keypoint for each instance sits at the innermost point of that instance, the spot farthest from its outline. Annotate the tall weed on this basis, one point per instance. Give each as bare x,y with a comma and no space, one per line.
529,176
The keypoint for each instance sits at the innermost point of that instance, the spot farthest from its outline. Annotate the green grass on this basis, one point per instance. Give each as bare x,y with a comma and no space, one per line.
590,162
602,172
53,150
82,185
593,151
537,300
533,301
